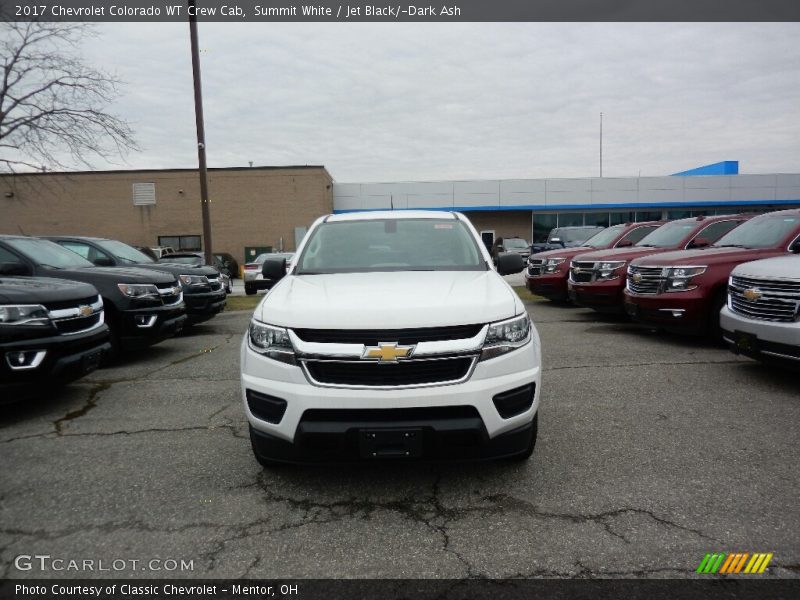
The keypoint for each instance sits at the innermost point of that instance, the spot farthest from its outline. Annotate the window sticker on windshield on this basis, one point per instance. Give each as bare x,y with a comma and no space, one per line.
443,226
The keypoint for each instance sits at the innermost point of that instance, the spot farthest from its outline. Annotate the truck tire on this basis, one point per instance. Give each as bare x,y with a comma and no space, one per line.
714,328
249,290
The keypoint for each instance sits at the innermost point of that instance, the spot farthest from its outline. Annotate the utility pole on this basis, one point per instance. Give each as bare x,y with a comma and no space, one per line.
201,135
601,144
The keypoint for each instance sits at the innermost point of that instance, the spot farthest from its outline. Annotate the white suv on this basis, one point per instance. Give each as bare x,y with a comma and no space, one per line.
391,336
762,317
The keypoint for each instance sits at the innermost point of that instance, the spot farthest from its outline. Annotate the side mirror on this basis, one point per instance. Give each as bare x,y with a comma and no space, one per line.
13,269
103,261
699,242
625,244
509,263
274,269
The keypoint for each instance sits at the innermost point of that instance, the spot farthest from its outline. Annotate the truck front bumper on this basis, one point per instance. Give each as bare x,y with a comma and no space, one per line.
683,312
762,340
147,326
602,296
203,306
552,286
324,424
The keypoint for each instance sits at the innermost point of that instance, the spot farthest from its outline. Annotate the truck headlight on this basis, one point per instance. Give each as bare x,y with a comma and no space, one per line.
190,280
607,270
24,314
138,290
506,336
271,341
551,264
679,279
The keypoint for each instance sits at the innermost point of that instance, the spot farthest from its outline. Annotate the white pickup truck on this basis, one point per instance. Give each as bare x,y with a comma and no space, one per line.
392,336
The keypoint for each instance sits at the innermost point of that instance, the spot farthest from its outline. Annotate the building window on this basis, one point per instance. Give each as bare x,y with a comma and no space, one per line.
144,194
653,215
618,218
542,225
598,219
570,219
181,242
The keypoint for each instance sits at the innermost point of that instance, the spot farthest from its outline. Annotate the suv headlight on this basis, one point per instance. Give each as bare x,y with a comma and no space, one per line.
271,341
24,314
190,280
606,270
506,336
551,264
679,278
138,290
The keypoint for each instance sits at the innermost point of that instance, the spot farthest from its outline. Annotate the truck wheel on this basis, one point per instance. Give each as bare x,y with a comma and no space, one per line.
526,454
249,290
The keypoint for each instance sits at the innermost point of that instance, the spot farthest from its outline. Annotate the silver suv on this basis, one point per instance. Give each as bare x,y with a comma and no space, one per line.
762,316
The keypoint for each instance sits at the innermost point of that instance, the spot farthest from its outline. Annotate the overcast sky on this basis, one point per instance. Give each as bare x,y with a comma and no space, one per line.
397,102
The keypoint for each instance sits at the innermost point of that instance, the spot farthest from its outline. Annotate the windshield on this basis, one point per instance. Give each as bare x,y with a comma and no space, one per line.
669,235
571,236
183,260
605,237
515,243
390,245
761,232
49,254
125,253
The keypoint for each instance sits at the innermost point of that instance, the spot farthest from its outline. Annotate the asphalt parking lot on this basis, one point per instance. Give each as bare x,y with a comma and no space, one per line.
653,450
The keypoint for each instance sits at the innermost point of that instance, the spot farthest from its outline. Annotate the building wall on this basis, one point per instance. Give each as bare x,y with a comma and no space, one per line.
511,223
249,206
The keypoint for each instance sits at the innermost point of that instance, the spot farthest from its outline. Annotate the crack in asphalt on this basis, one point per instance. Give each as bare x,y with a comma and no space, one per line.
91,402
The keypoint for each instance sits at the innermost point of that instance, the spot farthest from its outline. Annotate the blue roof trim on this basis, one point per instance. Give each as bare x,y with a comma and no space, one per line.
726,167
550,207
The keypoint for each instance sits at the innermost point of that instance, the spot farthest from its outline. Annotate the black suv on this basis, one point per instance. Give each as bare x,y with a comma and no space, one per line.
51,332
142,307
203,290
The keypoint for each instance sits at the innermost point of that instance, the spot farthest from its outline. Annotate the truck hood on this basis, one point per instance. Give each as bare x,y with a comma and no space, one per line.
36,290
629,253
393,300
780,267
708,256
113,275
567,253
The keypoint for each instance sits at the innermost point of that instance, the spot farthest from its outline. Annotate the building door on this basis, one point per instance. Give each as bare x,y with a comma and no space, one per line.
488,239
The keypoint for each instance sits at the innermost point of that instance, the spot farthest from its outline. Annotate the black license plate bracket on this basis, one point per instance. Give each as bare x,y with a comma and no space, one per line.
390,442
746,342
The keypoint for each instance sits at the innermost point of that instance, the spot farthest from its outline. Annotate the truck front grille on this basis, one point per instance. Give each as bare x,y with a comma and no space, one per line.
405,373
215,283
581,272
76,316
644,280
766,299
535,267
372,337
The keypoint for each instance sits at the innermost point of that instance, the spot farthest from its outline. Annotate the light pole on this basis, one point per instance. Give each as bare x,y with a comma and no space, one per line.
201,135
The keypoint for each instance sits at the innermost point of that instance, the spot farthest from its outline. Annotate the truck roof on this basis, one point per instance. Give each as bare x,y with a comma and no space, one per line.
366,215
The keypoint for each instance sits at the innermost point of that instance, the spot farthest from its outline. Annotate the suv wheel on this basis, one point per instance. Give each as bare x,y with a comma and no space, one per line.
249,290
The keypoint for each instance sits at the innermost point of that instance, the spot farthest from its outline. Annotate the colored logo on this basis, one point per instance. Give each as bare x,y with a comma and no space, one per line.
637,278
386,352
752,294
723,563
85,311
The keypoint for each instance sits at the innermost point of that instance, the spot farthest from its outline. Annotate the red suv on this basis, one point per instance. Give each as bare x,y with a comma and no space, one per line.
684,291
547,271
597,279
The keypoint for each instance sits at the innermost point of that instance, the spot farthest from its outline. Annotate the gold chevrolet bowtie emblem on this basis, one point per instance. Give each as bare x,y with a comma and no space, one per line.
386,352
85,311
752,294
576,269
637,278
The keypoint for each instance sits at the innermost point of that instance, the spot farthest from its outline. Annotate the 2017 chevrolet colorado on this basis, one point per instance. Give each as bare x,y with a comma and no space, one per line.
392,336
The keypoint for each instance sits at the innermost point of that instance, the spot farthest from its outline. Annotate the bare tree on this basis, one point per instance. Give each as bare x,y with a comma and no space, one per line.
53,107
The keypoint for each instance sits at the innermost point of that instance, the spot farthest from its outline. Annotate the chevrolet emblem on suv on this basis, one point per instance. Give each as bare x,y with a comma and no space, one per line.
751,294
386,352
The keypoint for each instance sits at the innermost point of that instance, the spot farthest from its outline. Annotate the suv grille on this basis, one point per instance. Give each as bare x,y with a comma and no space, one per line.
581,272
168,295
372,337
535,267
778,300
371,374
644,280
215,283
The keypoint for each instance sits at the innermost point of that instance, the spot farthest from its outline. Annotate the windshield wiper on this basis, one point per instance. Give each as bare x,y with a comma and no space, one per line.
728,246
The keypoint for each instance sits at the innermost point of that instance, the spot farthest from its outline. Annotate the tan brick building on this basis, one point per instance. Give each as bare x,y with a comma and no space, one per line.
258,206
